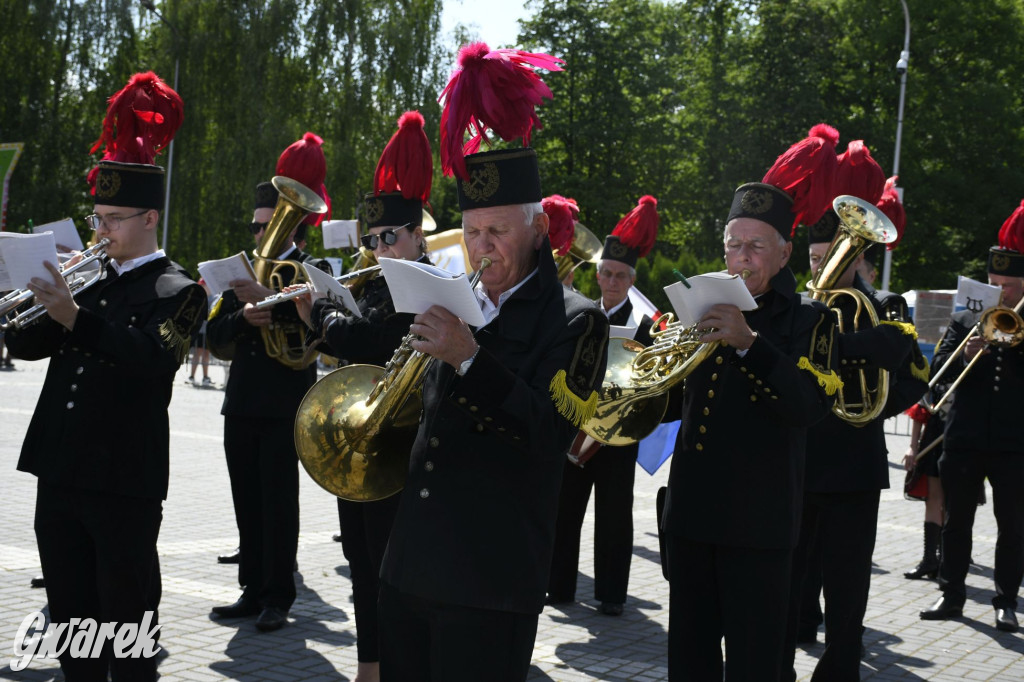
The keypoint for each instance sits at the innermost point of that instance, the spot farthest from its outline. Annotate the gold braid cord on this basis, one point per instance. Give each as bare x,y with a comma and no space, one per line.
574,408
830,382
904,327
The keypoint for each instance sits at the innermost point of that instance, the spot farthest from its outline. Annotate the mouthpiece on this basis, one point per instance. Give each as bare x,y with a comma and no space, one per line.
744,274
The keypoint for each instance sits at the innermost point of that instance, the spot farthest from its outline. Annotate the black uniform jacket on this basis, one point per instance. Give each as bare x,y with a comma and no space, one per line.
258,385
845,458
476,522
986,411
738,463
101,420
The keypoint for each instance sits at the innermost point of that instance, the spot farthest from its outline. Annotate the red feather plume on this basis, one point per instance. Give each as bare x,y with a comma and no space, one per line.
406,164
638,229
806,172
1011,234
141,120
304,161
858,174
890,205
496,89
562,216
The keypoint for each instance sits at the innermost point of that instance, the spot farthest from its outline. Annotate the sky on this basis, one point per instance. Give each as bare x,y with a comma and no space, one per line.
495,22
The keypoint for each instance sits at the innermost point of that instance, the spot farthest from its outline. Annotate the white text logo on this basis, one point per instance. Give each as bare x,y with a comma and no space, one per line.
82,638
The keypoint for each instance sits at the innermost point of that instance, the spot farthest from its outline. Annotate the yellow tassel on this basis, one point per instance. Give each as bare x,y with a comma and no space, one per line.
905,327
830,382
216,307
570,405
920,371
177,342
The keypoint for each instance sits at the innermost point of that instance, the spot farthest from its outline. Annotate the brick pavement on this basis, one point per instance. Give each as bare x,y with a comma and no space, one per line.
573,643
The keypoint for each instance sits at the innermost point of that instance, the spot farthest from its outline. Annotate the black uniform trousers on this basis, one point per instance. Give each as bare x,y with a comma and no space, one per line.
610,474
98,554
717,591
963,474
264,473
365,527
843,527
432,641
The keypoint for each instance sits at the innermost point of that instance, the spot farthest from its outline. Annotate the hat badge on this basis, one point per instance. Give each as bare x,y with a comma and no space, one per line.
483,182
757,201
108,182
1000,262
374,209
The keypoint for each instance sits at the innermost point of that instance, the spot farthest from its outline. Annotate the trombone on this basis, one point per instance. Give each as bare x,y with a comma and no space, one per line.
94,255
306,287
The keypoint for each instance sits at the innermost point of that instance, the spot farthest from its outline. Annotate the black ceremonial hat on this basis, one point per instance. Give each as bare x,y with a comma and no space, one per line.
135,185
502,177
266,195
391,210
1007,259
763,202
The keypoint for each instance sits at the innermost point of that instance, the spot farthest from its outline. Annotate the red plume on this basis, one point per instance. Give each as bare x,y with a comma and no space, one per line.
891,206
858,174
496,89
1011,234
406,164
141,120
304,161
562,215
638,229
806,172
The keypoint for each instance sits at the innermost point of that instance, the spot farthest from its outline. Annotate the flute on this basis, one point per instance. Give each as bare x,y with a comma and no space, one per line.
281,297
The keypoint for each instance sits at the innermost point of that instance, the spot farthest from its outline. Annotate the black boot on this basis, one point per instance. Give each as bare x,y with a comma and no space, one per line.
929,566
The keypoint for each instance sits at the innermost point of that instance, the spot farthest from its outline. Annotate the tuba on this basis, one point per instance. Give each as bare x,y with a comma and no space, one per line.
586,248
285,342
861,225
354,428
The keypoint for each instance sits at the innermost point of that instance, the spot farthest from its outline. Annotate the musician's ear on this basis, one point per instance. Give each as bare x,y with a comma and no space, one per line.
787,251
541,222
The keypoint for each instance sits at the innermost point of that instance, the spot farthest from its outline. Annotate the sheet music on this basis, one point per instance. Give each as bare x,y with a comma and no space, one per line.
218,274
340,234
707,290
332,289
22,257
417,286
64,233
976,296
617,332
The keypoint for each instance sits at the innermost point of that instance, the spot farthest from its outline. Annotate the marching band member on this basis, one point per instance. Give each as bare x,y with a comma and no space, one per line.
260,401
983,440
610,470
466,567
733,504
114,350
847,464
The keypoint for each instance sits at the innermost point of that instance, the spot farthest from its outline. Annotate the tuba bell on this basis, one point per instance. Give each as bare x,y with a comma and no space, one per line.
860,226
586,248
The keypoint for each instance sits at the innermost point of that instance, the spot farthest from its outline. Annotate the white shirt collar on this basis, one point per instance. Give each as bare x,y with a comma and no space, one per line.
128,265
487,306
614,309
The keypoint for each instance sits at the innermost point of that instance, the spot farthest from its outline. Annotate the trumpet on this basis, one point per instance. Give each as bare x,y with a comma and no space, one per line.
93,256
306,287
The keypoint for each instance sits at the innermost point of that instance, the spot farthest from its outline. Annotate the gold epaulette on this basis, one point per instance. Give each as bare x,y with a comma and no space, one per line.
577,410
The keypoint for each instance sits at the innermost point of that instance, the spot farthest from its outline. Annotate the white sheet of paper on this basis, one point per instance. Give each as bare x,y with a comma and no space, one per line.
340,234
332,289
218,274
22,257
641,306
707,290
617,332
64,233
416,286
976,296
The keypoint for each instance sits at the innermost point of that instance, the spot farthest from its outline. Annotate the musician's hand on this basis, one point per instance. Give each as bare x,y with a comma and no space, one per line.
55,296
304,302
975,345
730,326
250,291
256,317
910,459
444,336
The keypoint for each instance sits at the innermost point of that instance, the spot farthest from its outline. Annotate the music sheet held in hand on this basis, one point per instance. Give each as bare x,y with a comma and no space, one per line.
22,257
705,291
218,274
417,286
331,288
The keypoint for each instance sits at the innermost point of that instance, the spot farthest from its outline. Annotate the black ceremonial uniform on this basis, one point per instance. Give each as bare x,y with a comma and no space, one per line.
733,505
983,439
847,467
476,521
610,472
98,506
365,526
260,401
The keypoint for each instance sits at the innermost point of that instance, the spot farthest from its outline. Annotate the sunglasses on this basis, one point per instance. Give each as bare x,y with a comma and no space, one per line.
389,237
256,228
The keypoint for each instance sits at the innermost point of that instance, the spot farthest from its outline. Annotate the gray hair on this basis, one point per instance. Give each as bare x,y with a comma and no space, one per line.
600,266
531,211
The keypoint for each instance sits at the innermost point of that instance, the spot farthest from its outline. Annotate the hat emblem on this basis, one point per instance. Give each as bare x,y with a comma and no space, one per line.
483,182
108,182
616,249
1000,262
757,201
374,210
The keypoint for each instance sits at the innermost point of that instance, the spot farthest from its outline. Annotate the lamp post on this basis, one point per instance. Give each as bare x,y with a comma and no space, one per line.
901,68
148,4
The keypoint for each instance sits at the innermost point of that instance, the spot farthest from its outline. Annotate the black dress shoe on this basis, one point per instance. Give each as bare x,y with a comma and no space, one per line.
272,618
336,537
240,609
610,609
230,558
944,609
1006,620
38,581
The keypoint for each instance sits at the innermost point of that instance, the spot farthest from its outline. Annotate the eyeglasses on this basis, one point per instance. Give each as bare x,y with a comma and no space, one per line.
389,237
112,223
621,276
256,228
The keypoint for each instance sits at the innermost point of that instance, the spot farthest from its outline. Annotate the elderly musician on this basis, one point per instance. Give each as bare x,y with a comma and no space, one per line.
847,463
114,349
466,568
733,504
608,471
983,439
260,401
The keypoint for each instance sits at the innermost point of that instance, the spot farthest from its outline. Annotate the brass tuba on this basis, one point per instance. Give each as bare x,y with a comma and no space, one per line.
861,225
586,248
285,342
355,427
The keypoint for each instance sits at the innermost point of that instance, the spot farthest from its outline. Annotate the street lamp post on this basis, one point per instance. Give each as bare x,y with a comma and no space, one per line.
901,68
148,4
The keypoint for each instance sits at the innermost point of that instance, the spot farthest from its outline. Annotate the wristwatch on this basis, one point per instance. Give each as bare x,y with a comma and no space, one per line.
466,364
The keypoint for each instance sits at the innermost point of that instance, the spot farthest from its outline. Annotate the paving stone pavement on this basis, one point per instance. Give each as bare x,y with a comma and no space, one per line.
573,643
